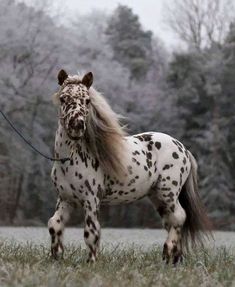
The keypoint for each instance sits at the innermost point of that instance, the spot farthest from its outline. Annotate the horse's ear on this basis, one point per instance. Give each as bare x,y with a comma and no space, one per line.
62,76
87,80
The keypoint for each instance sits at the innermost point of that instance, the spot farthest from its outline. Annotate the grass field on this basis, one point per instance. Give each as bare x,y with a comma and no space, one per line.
31,265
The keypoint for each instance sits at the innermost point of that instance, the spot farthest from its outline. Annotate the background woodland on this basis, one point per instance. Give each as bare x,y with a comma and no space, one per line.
188,93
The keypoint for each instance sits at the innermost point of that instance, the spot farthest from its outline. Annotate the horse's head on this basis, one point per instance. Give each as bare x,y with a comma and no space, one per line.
74,101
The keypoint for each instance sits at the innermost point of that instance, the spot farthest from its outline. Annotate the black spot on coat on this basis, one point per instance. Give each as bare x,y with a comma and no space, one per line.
175,155
158,145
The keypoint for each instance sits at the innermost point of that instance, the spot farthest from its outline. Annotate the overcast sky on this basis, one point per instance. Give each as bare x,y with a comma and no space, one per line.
150,12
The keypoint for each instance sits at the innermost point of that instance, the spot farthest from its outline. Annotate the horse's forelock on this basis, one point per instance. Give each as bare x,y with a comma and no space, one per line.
70,80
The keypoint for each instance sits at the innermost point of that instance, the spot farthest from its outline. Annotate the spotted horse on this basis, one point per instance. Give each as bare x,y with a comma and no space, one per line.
106,166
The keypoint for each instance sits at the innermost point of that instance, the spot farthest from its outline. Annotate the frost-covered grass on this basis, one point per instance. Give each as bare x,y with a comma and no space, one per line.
31,265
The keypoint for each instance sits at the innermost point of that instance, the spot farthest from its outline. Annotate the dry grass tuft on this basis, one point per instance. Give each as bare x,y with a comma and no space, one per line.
30,265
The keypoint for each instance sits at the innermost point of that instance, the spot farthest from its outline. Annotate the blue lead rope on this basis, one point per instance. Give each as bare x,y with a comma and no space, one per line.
62,160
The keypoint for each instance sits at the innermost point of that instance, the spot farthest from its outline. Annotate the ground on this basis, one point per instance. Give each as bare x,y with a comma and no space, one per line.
128,258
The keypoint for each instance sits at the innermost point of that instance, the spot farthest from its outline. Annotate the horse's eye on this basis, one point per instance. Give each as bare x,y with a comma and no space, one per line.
62,99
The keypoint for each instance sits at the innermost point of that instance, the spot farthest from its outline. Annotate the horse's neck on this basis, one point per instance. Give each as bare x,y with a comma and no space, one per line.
64,146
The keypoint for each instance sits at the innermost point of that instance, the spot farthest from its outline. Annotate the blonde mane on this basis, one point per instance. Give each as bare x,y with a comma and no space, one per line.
105,136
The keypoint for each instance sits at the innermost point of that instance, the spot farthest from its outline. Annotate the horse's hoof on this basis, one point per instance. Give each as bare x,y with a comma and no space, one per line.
177,255
57,252
177,259
91,260
165,254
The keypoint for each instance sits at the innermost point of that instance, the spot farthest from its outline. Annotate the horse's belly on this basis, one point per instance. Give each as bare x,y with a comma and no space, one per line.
125,194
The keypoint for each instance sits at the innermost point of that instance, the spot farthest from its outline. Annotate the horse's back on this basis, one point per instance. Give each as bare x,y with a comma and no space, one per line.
156,142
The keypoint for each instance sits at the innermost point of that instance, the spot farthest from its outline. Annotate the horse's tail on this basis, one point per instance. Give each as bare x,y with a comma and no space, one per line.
197,223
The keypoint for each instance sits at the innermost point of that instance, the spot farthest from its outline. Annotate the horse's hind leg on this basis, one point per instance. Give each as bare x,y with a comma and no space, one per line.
56,225
173,217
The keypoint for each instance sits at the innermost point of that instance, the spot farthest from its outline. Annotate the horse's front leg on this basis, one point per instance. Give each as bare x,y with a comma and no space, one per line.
56,225
92,228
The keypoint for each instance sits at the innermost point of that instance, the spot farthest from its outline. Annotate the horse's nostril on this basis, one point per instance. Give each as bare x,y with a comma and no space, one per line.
80,124
72,124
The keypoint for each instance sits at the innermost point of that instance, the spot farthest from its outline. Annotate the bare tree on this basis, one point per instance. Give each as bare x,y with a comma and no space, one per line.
200,23
28,59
